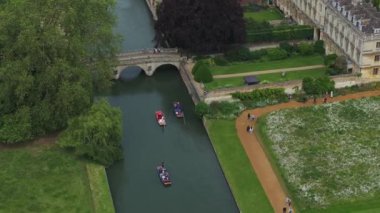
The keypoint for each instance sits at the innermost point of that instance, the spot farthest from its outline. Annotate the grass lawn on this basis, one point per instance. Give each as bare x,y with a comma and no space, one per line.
46,179
273,77
101,196
244,184
264,15
327,155
296,61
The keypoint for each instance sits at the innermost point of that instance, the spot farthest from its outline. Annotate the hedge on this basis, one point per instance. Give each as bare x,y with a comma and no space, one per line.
281,34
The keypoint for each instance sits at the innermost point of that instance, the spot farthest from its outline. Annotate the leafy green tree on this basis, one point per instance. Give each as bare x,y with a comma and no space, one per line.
199,25
203,74
317,86
52,59
96,135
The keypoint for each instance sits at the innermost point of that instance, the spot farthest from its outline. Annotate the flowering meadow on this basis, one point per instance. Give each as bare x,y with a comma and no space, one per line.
327,154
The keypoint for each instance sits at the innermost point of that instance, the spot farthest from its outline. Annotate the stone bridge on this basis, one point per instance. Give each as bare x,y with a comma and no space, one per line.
148,60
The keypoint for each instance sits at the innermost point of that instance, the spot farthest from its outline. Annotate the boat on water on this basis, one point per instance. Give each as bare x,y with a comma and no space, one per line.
163,174
160,117
178,110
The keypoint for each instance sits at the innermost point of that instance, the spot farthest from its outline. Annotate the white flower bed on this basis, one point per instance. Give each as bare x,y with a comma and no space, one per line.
328,153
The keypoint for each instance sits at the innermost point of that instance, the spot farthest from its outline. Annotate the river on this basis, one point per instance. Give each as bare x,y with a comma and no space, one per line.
198,181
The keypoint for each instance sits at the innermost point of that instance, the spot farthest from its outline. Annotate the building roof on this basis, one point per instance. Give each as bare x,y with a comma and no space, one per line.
364,16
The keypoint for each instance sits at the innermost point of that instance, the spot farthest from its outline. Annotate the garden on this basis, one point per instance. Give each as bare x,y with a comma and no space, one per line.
328,155
44,178
285,63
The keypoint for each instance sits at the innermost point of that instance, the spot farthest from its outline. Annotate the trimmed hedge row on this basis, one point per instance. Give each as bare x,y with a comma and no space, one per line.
281,34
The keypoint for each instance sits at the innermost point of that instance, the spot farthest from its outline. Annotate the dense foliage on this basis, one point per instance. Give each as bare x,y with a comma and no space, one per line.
96,135
203,74
200,26
53,57
261,97
318,86
261,33
202,109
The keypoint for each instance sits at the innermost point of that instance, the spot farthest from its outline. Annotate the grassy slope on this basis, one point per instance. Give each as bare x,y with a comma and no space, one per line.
273,77
264,15
361,206
244,184
42,179
101,194
296,61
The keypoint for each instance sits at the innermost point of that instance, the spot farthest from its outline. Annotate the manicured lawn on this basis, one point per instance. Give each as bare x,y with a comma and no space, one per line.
244,184
46,179
264,15
273,77
297,61
327,155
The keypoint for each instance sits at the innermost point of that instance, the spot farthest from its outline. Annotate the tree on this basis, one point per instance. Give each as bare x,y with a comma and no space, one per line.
52,59
96,135
203,74
318,86
200,26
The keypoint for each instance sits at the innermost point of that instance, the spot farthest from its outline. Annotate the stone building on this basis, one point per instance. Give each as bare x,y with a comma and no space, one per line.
348,27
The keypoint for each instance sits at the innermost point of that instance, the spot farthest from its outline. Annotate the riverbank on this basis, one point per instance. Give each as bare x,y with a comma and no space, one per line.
242,179
42,177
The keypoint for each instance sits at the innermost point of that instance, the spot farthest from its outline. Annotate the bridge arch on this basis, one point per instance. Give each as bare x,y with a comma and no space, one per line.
148,60
149,68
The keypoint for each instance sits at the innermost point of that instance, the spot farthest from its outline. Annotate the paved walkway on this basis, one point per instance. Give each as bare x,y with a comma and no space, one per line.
256,154
269,71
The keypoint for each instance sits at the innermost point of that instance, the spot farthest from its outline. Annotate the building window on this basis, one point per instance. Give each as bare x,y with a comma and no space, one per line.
377,44
377,57
375,71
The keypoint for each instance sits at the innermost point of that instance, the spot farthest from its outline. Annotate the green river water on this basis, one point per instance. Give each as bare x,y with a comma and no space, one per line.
199,185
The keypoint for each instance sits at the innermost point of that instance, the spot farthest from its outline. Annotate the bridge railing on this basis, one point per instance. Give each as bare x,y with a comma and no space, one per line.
149,51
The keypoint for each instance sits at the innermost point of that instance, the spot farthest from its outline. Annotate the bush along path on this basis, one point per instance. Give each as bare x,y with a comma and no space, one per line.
269,71
256,154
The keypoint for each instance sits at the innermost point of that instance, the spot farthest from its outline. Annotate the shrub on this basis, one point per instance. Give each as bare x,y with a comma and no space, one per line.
319,47
262,97
202,109
225,109
257,54
239,54
330,59
203,74
96,135
305,48
341,64
16,127
220,61
287,47
196,66
277,54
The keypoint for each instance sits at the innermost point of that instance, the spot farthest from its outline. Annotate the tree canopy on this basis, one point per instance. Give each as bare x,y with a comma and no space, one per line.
96,134
200,26
53,55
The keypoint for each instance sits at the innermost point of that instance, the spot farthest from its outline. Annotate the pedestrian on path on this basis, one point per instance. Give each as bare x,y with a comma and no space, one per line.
288,201
249,116
248,128
315,99
284,210
290,210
